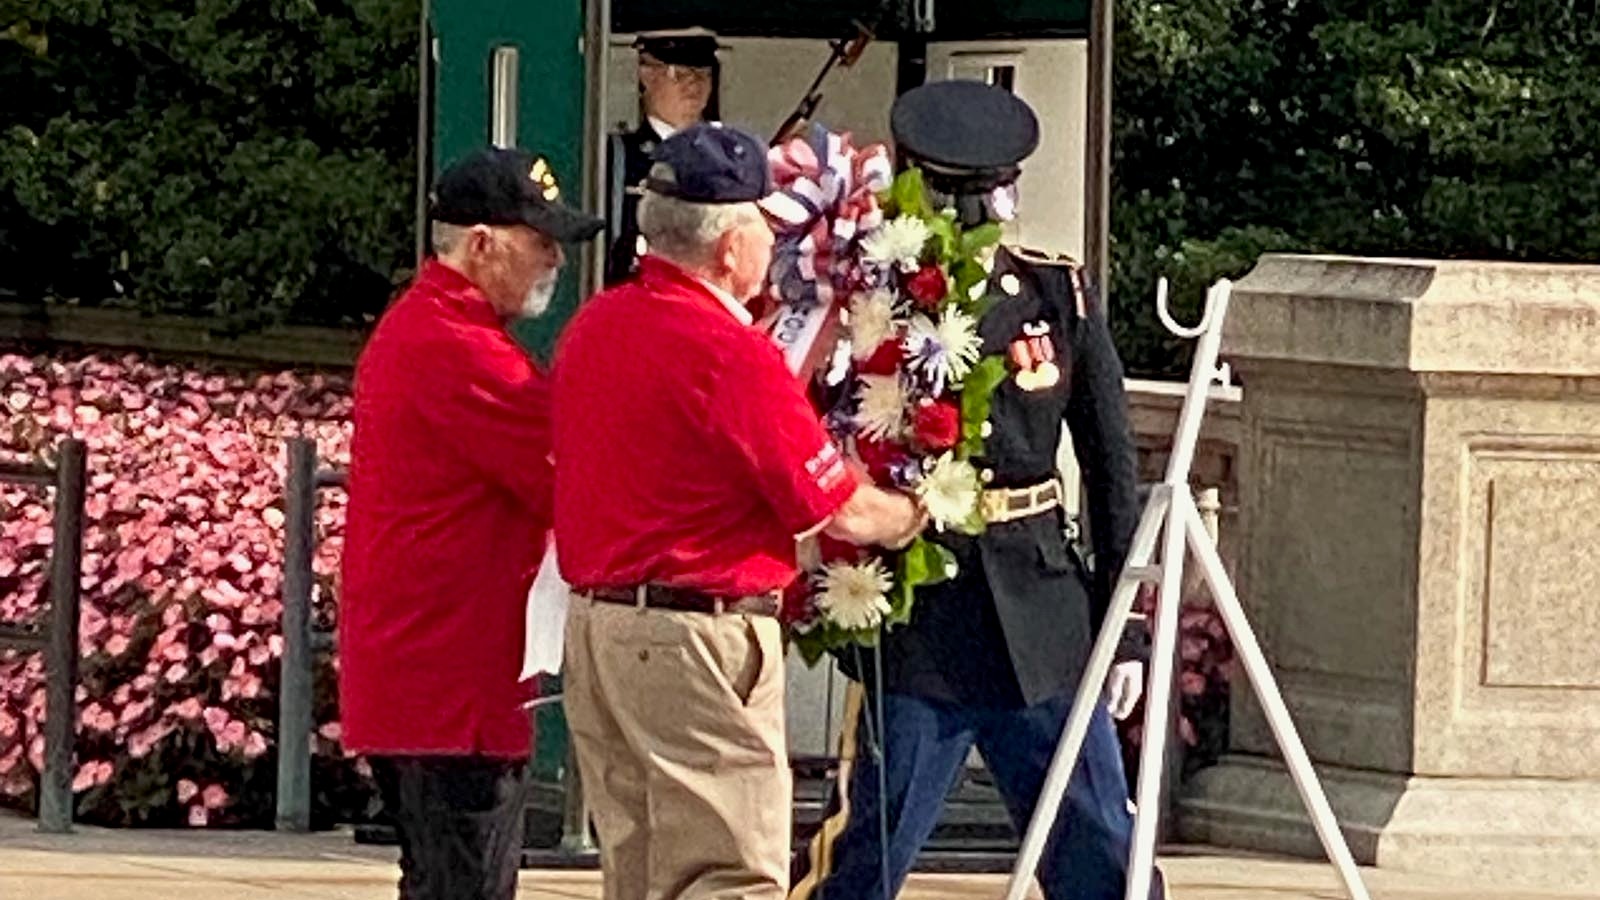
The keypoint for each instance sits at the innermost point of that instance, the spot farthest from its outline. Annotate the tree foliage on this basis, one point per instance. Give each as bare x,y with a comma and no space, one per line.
244,161
1391,128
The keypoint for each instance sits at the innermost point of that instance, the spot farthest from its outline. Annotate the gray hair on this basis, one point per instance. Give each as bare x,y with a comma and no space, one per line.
447,237
684,232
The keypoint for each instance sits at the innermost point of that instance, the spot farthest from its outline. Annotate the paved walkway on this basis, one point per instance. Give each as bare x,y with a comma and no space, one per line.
93,864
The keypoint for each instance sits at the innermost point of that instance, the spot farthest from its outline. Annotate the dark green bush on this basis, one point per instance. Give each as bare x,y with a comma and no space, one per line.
244,161
1398,128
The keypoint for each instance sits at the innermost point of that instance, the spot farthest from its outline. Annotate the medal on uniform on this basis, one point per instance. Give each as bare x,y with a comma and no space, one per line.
1035,358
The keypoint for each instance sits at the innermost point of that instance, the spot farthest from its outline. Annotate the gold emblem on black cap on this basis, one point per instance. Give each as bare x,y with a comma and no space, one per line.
542,175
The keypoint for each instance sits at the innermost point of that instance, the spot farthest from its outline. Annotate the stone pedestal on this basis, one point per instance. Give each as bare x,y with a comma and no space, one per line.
1420,482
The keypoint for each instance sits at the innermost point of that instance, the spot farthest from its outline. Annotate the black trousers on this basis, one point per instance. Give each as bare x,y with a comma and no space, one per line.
460,823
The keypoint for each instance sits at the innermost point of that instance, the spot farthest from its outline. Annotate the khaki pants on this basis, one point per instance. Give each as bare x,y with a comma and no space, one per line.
678,722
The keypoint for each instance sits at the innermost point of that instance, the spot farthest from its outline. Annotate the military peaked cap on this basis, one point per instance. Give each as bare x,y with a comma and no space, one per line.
964,128
694,47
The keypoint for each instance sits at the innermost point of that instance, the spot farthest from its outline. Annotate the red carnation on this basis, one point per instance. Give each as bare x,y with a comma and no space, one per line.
886,360
878,456
937,424
927,287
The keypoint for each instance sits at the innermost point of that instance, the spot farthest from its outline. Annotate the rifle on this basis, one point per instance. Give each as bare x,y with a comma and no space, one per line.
845,54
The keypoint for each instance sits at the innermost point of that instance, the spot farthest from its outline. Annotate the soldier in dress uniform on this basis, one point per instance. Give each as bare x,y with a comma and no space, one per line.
677,88
993,657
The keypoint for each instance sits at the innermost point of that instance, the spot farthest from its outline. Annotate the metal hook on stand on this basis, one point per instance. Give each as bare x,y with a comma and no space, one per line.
1216,306
1164,313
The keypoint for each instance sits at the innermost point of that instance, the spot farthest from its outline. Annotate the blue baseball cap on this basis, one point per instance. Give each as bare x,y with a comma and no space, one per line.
713,163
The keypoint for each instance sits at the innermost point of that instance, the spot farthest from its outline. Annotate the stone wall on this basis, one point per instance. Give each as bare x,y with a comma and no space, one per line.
1153,412
1421,472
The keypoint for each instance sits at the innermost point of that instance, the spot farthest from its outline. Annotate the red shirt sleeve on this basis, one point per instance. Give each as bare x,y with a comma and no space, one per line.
492,404
776,434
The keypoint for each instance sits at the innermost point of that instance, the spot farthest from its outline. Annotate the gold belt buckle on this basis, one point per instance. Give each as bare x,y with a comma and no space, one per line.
995,505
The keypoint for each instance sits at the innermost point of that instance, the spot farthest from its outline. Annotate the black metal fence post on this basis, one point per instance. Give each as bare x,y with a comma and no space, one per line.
61,665
295,683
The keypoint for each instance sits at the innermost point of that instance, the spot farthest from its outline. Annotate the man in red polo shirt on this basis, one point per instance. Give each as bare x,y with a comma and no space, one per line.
688,461
450,484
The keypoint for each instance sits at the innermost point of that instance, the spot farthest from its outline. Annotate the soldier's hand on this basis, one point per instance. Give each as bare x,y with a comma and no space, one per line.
1124,687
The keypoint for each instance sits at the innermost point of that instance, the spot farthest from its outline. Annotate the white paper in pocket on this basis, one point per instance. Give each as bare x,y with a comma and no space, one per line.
547,618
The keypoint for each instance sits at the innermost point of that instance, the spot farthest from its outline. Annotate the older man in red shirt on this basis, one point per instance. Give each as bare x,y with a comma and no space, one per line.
688,462
450,502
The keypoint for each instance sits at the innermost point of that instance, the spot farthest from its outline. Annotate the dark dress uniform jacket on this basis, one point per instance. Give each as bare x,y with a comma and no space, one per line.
1016,626
631,157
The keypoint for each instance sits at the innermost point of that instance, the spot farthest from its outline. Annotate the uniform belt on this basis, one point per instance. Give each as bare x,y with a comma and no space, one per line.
1010,504
684,600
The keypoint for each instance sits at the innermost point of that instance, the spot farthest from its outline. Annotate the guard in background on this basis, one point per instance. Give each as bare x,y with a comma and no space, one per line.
993,657
677,87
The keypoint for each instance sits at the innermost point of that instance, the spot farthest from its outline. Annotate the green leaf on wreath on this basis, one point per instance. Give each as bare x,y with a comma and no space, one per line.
824,638
908,196
976,393
921,564
945,238
967,272
976,240
812,645
901,600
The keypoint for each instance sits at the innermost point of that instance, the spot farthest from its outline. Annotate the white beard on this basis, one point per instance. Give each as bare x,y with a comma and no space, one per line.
539,297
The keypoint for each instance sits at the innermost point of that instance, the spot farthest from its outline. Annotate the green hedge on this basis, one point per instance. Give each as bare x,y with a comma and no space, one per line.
1446,128
244,161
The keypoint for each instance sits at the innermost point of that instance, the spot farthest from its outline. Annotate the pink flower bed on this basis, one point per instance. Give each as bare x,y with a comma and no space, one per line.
1204,675
182,572
180,629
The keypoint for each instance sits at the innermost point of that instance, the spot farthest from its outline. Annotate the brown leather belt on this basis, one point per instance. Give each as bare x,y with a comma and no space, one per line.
684,600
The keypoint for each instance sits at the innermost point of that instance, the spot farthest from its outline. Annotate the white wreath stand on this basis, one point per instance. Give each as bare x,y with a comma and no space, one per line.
1171,514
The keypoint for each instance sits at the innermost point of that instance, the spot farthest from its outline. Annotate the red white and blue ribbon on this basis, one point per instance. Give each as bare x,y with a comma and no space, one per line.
826,200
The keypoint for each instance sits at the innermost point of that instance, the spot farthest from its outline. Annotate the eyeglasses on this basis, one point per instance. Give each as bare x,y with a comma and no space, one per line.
679,74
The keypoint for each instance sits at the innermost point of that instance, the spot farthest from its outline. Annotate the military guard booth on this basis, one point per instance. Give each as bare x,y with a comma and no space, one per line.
556,77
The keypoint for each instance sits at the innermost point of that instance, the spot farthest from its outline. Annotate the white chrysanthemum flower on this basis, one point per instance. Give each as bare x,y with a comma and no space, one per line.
882,415
944,352
871,322
950,491
854,595
897,242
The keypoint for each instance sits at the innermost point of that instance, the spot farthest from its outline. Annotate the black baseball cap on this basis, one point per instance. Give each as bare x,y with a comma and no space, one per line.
713,163
508,187
964,128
